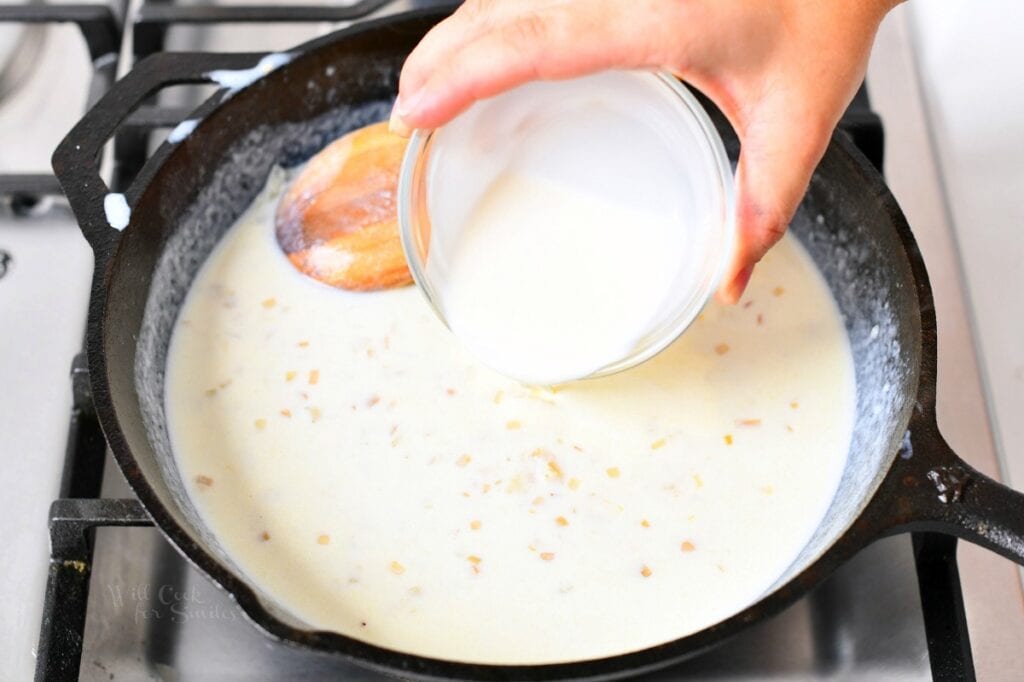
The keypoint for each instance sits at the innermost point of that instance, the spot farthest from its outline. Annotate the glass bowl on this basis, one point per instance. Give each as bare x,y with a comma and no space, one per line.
631,137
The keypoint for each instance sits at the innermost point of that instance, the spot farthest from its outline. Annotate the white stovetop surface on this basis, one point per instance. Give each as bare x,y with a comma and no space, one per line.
971,67
947,82
960,88
42,322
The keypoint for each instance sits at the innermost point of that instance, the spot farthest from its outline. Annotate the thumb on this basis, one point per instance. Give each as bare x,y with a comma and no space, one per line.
777,157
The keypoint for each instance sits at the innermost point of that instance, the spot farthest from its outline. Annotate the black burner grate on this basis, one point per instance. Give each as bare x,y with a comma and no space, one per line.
101,30
153,20
81,508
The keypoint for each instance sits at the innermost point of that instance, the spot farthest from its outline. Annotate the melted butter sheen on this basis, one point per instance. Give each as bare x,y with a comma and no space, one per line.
363,469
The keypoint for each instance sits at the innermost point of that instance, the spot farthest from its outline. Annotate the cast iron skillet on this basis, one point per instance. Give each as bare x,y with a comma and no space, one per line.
900,476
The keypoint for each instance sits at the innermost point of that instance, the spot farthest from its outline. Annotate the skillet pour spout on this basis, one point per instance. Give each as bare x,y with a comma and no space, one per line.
900,474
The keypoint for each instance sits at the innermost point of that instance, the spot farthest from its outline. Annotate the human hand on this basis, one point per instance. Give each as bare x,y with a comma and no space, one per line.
782,72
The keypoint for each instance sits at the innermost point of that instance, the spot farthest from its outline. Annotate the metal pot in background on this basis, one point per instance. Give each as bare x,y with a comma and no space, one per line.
20,47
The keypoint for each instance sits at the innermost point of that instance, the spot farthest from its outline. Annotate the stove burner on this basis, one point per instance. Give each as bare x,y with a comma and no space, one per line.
5,261
20,47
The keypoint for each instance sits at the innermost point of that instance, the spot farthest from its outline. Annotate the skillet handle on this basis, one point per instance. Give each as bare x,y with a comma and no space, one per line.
76,160
937,491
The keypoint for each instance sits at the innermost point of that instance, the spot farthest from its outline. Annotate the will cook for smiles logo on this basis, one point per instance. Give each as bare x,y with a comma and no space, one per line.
167,602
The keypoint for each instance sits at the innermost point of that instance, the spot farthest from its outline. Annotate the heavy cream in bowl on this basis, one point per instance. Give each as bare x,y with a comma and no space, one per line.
374,478
570,229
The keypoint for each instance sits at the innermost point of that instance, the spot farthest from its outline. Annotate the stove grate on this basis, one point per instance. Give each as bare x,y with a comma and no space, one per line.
101,29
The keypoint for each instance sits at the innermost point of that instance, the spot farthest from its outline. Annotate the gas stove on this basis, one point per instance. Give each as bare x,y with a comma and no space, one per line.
111,599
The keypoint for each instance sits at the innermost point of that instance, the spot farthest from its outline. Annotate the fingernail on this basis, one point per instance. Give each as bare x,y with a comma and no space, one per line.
397,126
407,104
733,291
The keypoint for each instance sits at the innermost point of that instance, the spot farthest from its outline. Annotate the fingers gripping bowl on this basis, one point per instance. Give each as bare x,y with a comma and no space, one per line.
191,192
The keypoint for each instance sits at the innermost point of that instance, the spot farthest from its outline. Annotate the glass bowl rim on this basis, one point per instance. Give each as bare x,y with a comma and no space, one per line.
412,174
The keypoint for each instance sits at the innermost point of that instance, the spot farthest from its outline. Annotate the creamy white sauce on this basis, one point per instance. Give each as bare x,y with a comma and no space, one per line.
116,208
182,130
377,480
236,79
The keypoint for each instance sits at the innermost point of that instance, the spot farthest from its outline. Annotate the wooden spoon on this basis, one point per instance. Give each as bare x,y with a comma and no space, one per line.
337,222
